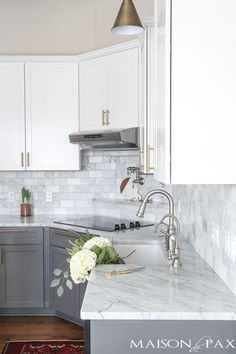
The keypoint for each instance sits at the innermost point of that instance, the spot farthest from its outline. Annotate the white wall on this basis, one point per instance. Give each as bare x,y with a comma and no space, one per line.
60,26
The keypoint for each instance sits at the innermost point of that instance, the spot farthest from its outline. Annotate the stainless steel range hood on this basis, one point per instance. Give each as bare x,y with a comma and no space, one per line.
107,140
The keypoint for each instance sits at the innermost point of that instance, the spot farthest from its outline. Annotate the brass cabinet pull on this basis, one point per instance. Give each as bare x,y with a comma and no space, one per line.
7,230
141,164
22,159
103,117
1,257
28,159
107,117
148,157
66,233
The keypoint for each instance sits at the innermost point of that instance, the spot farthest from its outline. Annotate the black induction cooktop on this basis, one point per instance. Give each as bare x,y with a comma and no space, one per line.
104,223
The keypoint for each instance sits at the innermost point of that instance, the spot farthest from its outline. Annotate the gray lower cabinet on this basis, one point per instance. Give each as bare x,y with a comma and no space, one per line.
70,303
28,256
21,268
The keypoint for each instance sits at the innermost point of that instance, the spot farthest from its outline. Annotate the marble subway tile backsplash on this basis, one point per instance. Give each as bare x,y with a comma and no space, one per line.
94,189
207,217
206,212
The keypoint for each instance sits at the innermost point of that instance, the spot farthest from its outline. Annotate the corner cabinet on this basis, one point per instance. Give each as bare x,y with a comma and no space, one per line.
109,89
38,111
21,268
196,74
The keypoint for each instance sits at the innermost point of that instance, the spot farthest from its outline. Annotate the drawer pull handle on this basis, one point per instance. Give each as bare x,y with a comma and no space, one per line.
13,230
1,257
67,233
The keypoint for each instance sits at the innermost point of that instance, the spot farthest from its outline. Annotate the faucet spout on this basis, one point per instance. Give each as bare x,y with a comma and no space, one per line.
147,197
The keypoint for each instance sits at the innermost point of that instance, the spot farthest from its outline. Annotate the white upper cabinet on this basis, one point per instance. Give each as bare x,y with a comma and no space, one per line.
162,121
93,94
148,99
51,115
123,89
109,91
203,94
12,119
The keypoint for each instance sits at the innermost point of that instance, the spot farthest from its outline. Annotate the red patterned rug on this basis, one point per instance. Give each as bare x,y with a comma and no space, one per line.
52,347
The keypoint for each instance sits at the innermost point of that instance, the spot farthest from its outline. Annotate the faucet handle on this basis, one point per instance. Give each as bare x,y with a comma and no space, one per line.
173,236
165,233
156,227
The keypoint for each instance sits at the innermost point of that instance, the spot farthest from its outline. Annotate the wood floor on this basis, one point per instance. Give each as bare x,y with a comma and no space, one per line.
37,328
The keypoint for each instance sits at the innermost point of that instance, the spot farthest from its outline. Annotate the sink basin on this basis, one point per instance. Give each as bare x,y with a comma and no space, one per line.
147,255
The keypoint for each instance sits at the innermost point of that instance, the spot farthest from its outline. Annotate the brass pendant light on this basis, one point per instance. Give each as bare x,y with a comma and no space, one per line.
127,21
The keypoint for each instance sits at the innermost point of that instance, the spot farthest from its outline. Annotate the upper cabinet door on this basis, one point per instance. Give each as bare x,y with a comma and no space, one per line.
51,115
12,119
123,89
162,122
93,94
203,92
196,95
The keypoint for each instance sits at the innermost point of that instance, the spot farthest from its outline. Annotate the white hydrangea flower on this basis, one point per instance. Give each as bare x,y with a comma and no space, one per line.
81,264
97,241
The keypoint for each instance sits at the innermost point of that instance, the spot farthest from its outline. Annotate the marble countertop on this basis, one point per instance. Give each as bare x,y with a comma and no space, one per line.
138,236
192,292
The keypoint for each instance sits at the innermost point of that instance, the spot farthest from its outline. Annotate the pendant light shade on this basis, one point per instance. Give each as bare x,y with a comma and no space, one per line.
127,21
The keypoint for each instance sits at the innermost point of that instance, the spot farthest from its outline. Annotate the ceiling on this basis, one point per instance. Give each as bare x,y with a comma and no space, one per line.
17,5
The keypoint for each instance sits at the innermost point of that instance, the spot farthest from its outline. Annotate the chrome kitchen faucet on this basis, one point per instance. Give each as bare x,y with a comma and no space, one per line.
173,227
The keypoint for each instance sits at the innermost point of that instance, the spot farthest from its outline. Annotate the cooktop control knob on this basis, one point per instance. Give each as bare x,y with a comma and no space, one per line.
137,224
123,226
131,225
117,227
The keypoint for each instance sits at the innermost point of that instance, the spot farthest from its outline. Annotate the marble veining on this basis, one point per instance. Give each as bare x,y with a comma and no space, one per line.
192,292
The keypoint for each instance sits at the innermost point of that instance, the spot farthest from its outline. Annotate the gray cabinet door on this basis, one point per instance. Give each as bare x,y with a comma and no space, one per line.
69,304
21,276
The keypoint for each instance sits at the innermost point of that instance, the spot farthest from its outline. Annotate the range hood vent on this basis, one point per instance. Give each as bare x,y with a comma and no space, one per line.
107,140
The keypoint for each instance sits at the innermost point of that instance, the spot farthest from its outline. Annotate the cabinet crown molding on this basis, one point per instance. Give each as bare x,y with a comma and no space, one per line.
71,58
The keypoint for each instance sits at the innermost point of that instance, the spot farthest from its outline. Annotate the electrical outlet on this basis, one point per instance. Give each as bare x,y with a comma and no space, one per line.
48,196
11,196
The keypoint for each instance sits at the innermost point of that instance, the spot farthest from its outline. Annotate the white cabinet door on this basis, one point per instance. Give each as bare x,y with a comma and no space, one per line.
162,122
200,127
203,92
12,119
51,115
148,100
123,89
93,94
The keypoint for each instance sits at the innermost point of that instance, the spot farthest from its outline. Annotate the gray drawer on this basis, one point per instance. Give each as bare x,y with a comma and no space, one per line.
61,238
21,235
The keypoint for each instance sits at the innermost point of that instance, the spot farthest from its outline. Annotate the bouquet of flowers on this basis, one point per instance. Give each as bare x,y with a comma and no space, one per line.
85,254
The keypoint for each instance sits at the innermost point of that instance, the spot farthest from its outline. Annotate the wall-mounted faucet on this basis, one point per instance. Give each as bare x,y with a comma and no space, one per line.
137,171
173,227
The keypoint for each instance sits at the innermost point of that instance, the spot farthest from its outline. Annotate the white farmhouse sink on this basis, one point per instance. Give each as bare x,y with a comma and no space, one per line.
147,255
